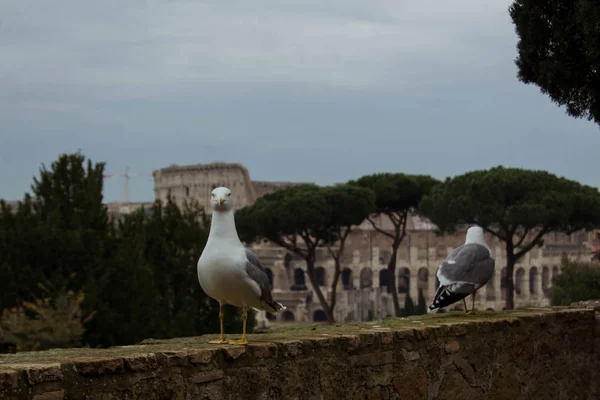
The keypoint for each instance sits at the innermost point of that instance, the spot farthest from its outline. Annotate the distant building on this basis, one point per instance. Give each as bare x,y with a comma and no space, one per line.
197,182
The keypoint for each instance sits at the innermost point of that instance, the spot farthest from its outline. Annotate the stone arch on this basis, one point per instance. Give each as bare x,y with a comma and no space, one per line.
366,278
423,279
384,281
288,316
545,280
299,280
503,283
533,280
347,278
519,281
404,280
555,271
270,276
320,276
319,316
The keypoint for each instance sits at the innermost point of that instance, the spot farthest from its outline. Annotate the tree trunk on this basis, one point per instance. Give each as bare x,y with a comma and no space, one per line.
510,267
336,278
392,279
310,264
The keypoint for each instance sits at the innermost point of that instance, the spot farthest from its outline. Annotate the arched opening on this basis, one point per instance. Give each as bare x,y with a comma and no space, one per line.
347,278
503,283
404,280
519,278
423,280
299,280
546,280
320,276
270,276
319,316
384,279
533,280
366,278
288,316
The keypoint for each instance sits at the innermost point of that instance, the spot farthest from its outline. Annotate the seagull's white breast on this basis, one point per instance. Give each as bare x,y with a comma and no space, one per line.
222,275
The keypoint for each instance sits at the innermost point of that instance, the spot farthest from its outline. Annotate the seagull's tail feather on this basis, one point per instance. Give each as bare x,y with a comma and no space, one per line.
444,297
273,306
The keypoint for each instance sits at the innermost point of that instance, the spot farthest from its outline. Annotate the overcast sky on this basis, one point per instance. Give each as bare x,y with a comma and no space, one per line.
300,90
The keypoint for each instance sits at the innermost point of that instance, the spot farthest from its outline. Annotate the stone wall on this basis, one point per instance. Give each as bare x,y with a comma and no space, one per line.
534,354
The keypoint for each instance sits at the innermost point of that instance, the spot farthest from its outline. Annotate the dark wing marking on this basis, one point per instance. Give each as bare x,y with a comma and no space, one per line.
257,272
472,268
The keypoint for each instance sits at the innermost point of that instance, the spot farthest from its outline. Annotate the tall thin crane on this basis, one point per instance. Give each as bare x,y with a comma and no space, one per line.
126,175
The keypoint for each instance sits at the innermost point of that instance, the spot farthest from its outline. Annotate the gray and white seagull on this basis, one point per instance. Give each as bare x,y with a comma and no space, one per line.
465,270
230,273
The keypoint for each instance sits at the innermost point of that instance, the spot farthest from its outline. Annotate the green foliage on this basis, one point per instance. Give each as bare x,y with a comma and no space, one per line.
517,206
559,51
138,274
506,201
395,192
51,322
576,282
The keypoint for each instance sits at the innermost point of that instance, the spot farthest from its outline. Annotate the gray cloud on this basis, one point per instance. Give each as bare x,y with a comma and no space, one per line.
427,87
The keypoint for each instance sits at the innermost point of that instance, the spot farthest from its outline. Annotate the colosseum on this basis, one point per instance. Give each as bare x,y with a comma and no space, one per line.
362,291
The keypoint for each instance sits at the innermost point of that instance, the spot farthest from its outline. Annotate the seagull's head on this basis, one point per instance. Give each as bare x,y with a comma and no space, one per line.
475,235
221,199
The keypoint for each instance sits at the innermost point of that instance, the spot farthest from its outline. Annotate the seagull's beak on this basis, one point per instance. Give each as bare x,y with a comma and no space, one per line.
220,201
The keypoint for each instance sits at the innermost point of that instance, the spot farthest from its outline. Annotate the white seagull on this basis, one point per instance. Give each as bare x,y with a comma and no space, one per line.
230,273
466,269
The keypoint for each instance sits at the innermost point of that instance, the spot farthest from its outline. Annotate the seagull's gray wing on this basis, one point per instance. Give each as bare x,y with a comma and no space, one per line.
469,263
258,274
466,269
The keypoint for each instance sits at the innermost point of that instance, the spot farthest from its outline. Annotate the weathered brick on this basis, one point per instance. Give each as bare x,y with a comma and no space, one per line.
386,338
452,347
369,359
172,358
202,357
140,362
292,348
99,367
263,350
39,373
9,379
207,376
55,395
233,353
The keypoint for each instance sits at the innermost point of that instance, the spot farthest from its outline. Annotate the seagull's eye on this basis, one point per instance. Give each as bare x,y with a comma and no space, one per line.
228,194
212,194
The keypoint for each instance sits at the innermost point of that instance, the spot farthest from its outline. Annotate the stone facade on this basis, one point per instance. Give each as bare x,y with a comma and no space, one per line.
197,182
535,354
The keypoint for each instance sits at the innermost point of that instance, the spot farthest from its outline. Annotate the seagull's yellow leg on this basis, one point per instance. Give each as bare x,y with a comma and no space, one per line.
465,304
473,310
221,339
244,320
